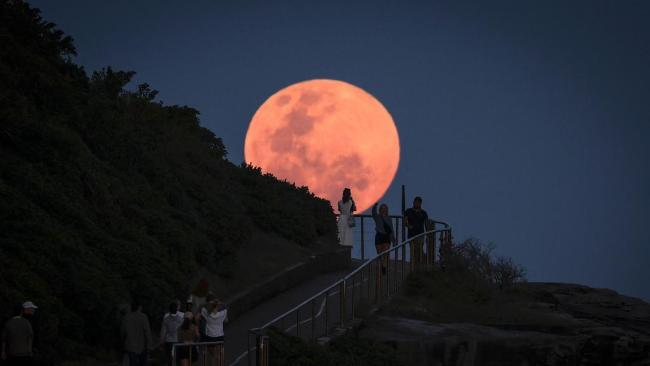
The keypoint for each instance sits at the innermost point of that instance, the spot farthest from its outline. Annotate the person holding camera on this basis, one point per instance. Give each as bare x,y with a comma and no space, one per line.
214,315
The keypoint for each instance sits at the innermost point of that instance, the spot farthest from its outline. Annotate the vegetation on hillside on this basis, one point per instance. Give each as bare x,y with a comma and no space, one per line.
346,350
107,195
473,285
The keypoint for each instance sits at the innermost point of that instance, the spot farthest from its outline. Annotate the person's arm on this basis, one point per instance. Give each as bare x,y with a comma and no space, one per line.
31,334
374,210
163,329
147,333
353,207
197,336
406,220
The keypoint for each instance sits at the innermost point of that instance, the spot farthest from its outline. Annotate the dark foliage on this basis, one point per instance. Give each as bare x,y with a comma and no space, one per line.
473,285
106,195
476,261
347,350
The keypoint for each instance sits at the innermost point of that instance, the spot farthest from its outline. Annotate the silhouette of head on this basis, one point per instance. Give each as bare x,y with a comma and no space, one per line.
383,209
173,307
417,202
136,305
347,194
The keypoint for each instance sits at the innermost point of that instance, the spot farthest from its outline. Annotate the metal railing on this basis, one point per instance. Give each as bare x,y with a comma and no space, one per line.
356,294
362,231
206,353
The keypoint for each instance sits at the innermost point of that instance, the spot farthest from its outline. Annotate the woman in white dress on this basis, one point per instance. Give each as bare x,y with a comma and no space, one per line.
346,221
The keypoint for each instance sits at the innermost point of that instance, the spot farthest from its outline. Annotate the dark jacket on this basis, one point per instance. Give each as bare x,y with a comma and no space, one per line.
136,333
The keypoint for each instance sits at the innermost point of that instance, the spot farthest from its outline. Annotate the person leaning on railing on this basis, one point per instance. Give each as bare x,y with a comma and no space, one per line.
188,332
169,329
384,232
416,219
215,314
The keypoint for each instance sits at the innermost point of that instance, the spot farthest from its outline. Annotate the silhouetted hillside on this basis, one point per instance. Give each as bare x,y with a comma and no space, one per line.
106,195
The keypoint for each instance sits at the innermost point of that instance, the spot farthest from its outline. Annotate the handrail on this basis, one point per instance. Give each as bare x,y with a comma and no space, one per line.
399,226
397,217
374,271
217,358
351,274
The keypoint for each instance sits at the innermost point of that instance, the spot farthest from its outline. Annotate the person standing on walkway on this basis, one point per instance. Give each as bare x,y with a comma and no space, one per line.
416,219
169,329
29,313
17,338
214,315
346,220
384,232
187,333
136,335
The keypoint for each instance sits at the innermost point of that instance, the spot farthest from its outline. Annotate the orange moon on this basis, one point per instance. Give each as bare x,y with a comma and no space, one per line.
326,135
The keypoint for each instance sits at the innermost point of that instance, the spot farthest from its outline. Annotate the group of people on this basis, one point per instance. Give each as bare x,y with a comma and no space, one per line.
178,328
20,336
415,220
204,324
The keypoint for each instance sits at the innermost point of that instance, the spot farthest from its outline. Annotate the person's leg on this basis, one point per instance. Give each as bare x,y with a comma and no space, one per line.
142,359
418,250
384,260
133,358
168,353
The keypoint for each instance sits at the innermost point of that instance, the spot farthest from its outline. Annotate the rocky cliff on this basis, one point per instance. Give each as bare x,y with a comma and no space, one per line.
537,324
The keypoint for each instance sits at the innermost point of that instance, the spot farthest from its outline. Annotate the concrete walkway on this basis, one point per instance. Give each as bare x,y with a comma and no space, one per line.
237,331
326,312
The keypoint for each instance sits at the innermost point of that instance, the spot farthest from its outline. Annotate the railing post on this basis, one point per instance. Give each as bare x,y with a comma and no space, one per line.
221,354
394,277
431,245
368,275
352,298
403,260
248,345
342,299
377,280
327,307
298,322
313,320
388,276
262,350
363,244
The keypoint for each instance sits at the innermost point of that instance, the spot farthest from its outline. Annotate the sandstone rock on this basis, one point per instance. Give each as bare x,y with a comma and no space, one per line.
599,327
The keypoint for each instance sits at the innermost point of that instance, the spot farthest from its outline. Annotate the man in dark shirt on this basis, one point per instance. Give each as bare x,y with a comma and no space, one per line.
416,219
17,337
29,313
136,335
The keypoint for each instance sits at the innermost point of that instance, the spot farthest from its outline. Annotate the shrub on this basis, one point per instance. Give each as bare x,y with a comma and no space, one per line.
476,260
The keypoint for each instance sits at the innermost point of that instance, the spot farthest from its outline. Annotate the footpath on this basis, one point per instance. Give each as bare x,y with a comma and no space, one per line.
236,332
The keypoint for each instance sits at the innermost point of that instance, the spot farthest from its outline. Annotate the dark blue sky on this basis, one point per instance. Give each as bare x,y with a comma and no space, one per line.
521,123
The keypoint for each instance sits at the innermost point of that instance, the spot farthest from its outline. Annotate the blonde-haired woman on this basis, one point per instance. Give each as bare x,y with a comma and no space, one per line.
384,232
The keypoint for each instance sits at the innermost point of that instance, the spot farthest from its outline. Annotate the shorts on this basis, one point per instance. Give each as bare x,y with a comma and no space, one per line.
205,338
382,239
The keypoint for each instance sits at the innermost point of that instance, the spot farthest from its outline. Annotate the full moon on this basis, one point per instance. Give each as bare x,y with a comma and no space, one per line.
326,135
